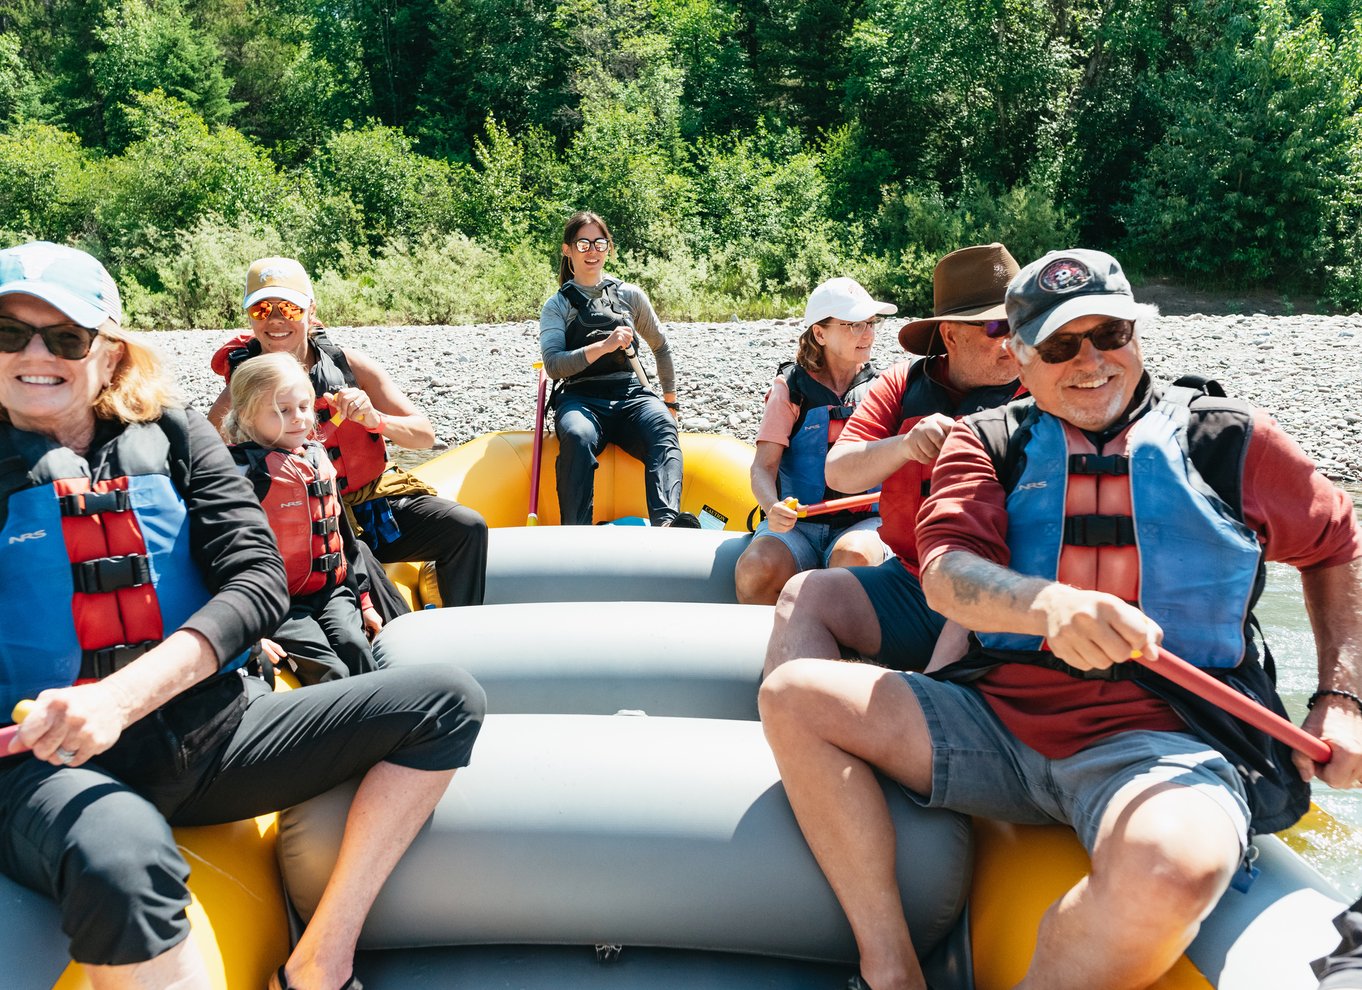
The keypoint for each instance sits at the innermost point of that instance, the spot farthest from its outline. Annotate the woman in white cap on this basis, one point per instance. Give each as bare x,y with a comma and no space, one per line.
136,570
359,409
809,402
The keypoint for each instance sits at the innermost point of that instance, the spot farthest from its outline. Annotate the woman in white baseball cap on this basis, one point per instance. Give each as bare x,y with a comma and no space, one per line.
809,401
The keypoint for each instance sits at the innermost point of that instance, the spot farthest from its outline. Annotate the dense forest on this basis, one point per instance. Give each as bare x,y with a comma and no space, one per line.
420,155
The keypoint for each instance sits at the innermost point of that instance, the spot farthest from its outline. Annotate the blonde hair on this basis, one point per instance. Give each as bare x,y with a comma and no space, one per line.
139,390
257,382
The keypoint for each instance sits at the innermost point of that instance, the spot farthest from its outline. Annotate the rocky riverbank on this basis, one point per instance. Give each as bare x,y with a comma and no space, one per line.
1305,370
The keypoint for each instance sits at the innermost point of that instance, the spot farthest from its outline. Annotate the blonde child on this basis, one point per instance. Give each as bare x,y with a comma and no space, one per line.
270,430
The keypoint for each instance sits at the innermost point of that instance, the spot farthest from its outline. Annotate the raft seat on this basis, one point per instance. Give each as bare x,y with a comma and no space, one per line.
663,658
598,564
637,831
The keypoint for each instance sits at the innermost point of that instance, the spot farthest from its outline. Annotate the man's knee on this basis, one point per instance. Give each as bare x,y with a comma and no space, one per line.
788,691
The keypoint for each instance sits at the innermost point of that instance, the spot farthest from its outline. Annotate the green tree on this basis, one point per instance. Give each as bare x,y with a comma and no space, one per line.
142,48
1240,187
46,191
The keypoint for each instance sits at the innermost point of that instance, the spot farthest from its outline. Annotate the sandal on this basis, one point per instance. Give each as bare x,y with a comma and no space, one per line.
279,981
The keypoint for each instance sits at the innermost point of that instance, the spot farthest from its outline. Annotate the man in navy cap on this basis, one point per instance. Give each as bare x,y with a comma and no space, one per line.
1105,517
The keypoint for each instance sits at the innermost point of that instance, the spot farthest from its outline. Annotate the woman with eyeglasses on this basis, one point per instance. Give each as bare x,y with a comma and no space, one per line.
359,409
588,335
136,570
806,408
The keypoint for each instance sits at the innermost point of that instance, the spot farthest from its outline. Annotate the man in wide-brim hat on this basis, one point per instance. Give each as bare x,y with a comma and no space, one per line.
892,441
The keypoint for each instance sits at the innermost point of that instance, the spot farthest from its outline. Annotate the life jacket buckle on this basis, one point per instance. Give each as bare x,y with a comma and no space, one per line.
97,664
320,488
1116,465
327,562
111,573
327,526
93,503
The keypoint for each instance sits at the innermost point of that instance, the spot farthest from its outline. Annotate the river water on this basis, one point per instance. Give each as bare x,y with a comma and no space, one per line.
1335,852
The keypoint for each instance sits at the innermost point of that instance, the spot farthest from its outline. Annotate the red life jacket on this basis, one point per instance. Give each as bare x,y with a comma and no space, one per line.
298,492
358,455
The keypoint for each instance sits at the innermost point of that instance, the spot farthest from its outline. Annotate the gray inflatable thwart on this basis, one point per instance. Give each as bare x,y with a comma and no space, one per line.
663,658
611,563
588,829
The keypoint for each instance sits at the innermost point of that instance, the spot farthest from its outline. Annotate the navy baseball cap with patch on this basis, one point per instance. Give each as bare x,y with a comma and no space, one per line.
1063,286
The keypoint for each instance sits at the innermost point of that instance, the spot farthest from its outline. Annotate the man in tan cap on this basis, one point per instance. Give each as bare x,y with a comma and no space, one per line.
891,441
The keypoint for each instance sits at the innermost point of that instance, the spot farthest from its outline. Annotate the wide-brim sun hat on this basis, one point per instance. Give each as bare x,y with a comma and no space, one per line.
1066,285
844,299
65,277
968,285
277,278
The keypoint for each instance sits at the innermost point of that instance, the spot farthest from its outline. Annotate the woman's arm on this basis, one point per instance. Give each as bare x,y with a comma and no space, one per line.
646,323
398,418
559,362
765,467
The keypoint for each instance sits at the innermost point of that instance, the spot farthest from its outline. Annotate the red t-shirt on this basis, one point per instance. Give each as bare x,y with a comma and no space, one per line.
1301,519
878,418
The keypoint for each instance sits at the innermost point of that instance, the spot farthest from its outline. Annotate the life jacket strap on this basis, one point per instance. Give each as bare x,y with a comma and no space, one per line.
321,487
93,503
95,664
1099,531
106,574
1117,465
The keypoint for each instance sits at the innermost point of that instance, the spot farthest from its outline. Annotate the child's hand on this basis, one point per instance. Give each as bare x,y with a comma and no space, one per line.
273,652
373,622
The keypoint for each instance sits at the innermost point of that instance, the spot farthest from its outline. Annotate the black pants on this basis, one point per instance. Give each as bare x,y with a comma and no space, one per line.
451,535
96,839
324,636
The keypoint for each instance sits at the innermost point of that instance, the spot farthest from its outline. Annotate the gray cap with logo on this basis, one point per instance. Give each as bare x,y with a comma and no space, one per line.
1063,286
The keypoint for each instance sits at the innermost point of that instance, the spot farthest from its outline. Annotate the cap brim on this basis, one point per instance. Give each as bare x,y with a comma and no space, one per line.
277,292
857,313
916,337
1118,306
79,310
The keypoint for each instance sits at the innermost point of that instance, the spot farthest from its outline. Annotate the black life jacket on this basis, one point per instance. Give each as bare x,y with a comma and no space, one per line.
593,319
801,471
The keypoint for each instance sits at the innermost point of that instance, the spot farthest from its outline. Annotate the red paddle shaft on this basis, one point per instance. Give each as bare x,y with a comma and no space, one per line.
838,504
1199,682
533,518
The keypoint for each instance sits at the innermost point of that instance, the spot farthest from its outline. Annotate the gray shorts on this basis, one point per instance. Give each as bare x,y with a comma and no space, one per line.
980,768
810,542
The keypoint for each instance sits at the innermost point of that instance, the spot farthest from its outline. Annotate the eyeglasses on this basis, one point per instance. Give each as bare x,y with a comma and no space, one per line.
584,244
860,326
1105,337
263,309
69,341
994,329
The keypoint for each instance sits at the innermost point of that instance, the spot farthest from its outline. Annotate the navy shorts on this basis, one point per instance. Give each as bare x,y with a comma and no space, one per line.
908,628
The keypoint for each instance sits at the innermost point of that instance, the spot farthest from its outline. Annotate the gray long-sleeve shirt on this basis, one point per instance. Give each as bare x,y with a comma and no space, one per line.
559,362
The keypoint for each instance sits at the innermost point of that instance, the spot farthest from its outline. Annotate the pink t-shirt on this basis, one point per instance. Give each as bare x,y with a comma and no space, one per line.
778,418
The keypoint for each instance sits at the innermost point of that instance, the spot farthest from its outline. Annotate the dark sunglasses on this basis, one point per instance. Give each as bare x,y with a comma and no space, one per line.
994,329
1105,337
263,309
585,244
70,341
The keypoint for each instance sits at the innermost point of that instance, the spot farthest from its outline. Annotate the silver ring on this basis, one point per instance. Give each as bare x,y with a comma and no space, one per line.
65,755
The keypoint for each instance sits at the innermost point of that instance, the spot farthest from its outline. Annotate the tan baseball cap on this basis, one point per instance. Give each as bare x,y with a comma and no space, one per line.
277,278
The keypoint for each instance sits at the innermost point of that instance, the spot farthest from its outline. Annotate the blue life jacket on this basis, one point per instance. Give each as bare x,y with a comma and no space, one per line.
95,564
1197,562
802,464
1200,569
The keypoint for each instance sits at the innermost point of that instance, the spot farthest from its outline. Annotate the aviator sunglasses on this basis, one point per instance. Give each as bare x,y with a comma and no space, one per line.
263,309
70,341
1105,337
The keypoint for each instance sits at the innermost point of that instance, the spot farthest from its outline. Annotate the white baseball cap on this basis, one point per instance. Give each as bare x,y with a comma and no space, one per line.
845,299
